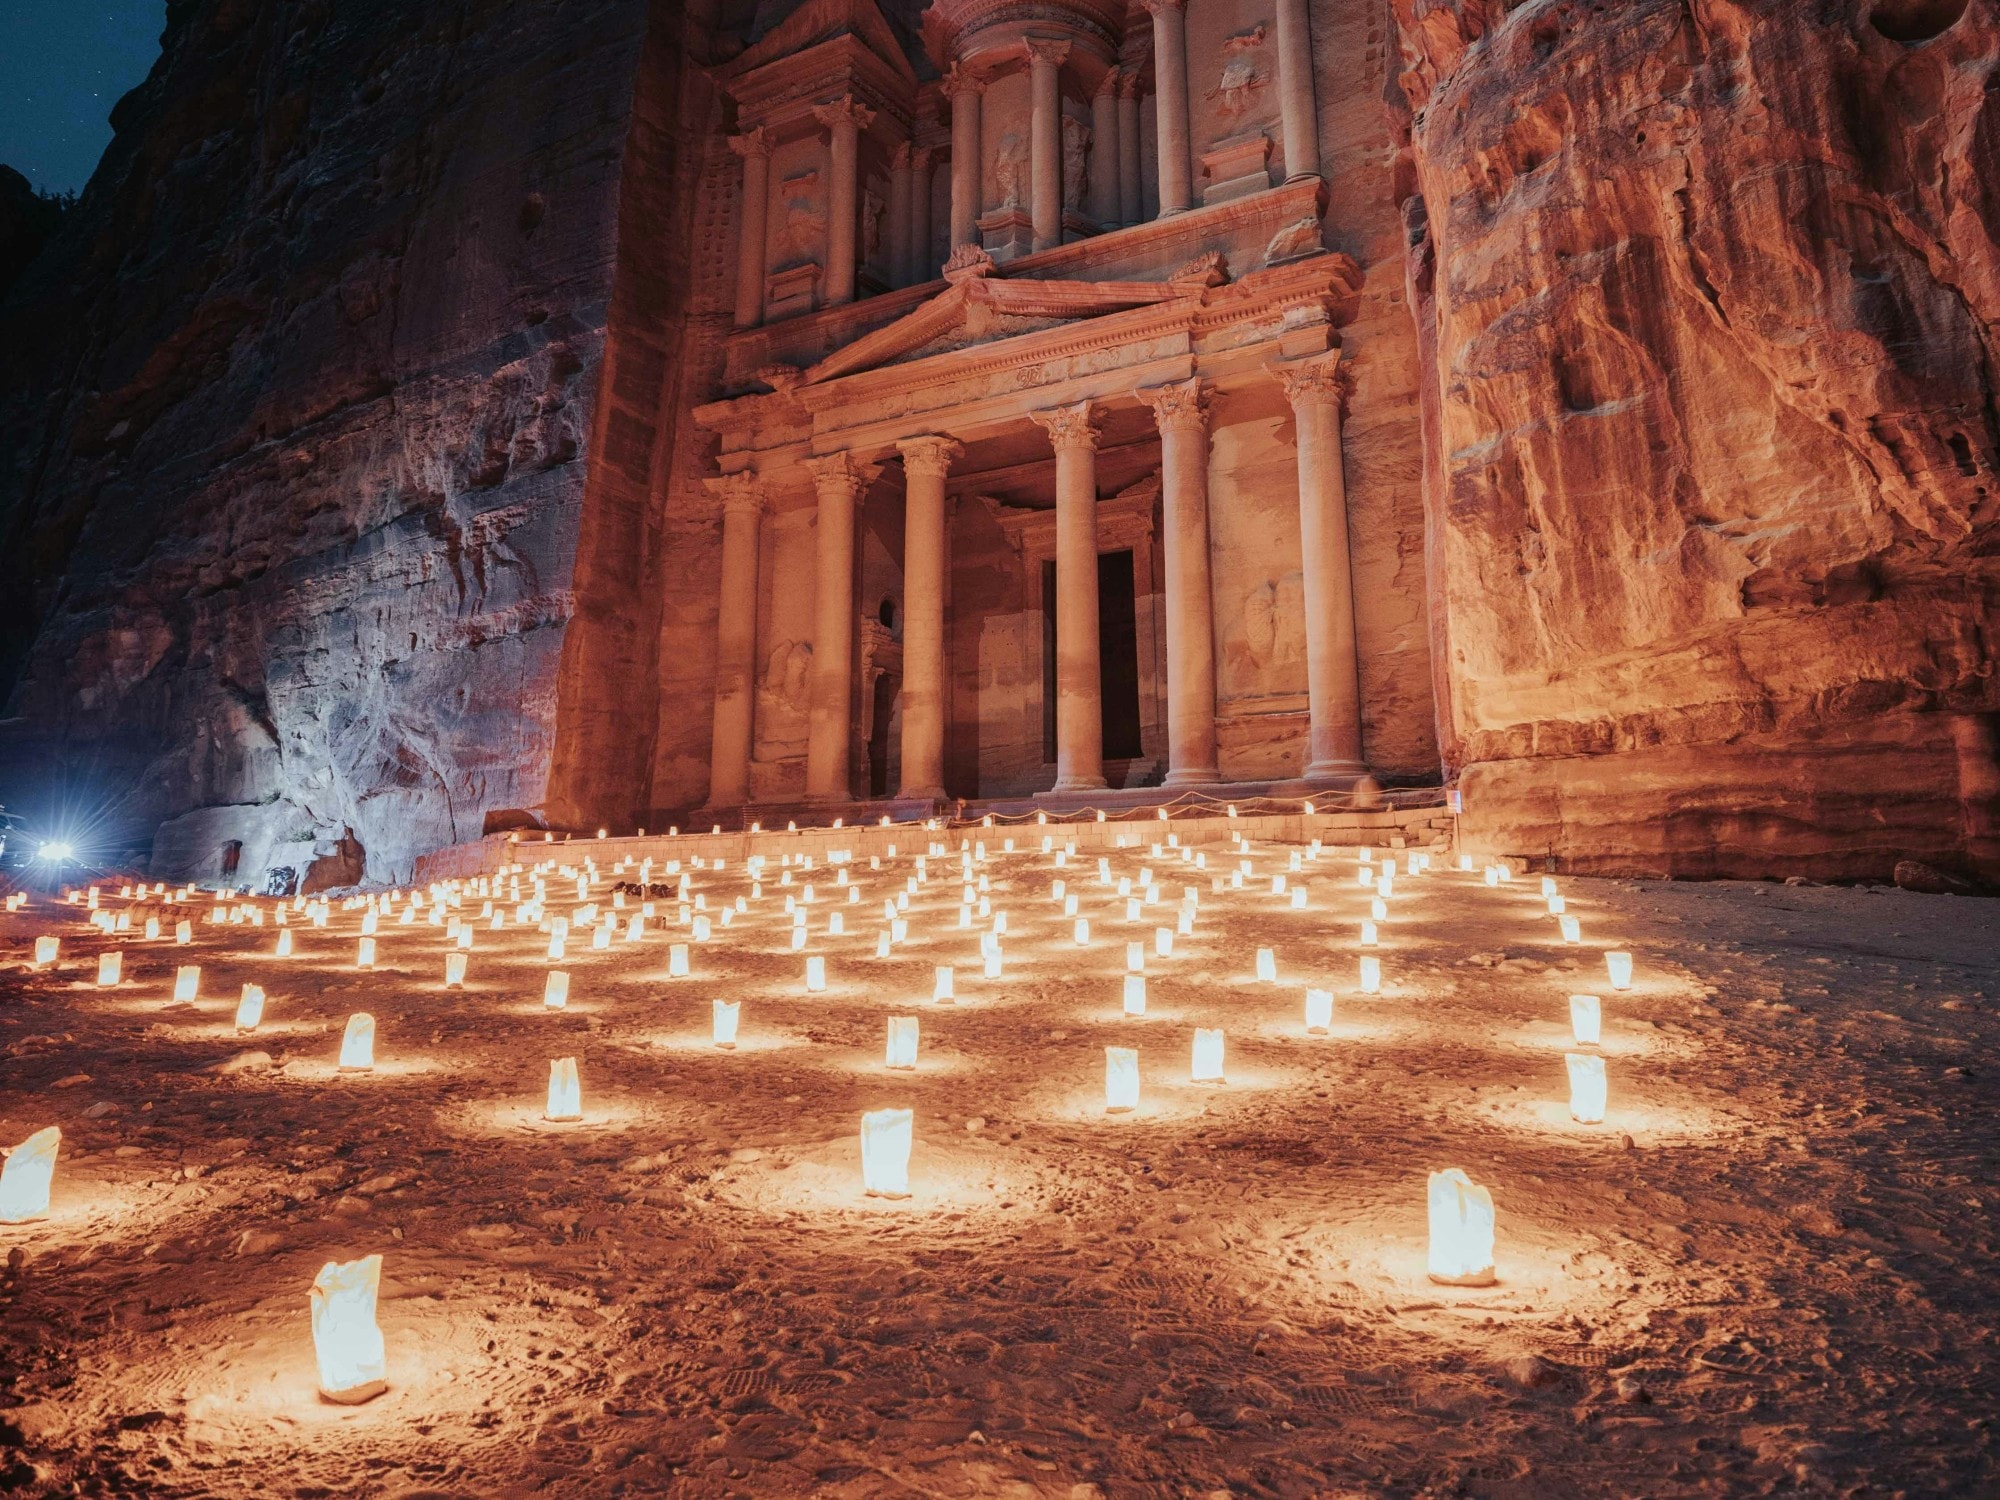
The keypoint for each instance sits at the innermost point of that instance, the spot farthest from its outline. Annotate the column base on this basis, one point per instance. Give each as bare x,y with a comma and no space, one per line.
1078,784
1193,776
921,794
1348,776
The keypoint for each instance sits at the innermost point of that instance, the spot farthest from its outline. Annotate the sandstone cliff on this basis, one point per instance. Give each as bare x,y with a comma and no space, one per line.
1708,291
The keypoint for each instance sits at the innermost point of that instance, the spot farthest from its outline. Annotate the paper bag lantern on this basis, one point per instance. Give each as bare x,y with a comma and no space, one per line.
26,1176
677,961
110,966
1163,942
902,1042
555,990
1207,1066
1135,994
357,1043
1298,898
454,970
565,1091
1184,925
600,937
882,944
1267,966
1135,958
886,1135
152,928
1557,906
371,921
798,939
187,981
724,1015
1121,1079
815,975
346,1341
183,933
364,954
46,949
941,990
1370,933
558,945
250,1008
1586,1088
1461,1225
1619,966
285,943
899,930
992,963
1319,1011
1379,909
1371,976
1585,1019
1572,929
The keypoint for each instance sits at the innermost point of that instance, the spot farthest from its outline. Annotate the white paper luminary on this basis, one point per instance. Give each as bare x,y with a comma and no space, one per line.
1549,888
558,945
357,1043
1319,1011
346,1341
26,1176
1000,923
371,922
902,1042
941,990
1371,975
882,944
677,961
1184,924
1163,942
1378,909
815,975
899,930
1619,967
184,933
110,967
1465,861
187,981
1069,905
1298,898
1586,1088
1586,1019
1207,1067
1557,906
152,928
454,970
1492,875
250,1008
1121,1079
600,937
1132,909
364,954
1267,966
992,964
555,990
886,1135
565,1091
1135,958
46,949
1461,1230
1135,994
1369,934
1572,929
798,939
836,925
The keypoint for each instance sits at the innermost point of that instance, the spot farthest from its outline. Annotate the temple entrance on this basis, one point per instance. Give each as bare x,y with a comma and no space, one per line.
1117,656
886,690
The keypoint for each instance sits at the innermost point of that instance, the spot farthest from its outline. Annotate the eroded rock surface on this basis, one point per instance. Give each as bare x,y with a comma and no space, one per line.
1708,294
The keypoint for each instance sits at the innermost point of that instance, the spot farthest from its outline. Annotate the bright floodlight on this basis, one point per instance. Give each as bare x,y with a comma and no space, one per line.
1461,1215
885,1152
346,1341
25,1177
55,851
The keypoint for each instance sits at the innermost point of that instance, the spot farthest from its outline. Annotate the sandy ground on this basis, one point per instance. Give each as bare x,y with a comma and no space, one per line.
1771,1270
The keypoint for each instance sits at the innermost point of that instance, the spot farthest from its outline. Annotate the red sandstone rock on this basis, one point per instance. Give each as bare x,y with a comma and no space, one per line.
1707,295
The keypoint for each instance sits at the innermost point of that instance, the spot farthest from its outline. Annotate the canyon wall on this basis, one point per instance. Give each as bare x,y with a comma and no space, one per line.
1707,294
300,425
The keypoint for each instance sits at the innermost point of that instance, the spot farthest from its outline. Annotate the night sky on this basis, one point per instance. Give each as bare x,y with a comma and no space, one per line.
63,64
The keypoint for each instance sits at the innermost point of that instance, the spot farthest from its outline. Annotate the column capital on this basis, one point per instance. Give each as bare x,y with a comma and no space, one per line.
1108,85
1157,8
753,143
839,471
1070,426
1315,381
1130,85
958,80
1181,406
1046,51
899,159
846,110
920,158
739,493
929,455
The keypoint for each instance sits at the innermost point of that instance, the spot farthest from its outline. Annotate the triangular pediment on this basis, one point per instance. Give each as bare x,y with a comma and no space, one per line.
818,21
985,310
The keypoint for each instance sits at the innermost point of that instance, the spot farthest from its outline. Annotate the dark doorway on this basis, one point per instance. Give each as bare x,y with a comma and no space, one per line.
886,688
232,857
1117,656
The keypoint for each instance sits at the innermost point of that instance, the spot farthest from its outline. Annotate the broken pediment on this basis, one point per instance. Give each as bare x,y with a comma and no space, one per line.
819,21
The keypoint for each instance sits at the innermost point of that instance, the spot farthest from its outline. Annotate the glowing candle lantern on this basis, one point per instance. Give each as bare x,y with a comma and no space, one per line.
1492,875
899,930
992,958
1135,994
1465,861
152,928
1121,1079
882,944
250,1009
1267,966
454,970
1586,1088
370,921
677,961
1319,1011
357,1043
1069,906
46,949
1379,909
1619,966
1371,975
364,954
109,967
815,975
902,1042
26,1175
600,939
1163,942
183,933
187,981
1572,929
1207,1056
558,944
555,990
798,938
886,1135
1369,934
464,939
1081,932
1586,1019
565,1091
1461,1225
1557,906
941,990
346,1341
1298,898
724,1015
1135,957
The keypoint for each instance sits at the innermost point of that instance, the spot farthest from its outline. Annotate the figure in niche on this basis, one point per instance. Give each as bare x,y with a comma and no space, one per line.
872,206
1010,169
1239,74
1076,153
805,230
786,671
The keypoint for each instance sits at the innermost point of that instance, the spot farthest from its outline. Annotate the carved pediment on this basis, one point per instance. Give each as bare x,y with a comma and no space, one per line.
818,21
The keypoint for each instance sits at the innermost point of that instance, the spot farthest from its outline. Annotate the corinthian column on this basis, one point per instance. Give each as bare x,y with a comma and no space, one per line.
1045,59
1104,152
1313,386
840,482
918,256
1072,432
1181,414
1299,118
742,499
963,90
754,146
1131,181
844,120
926,460
896,250
1170,96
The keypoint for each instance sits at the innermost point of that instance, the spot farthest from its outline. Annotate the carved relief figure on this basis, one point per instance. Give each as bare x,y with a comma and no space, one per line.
804,232
1272,648
872,206
782,694
1239,74
1075,158
1010,169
